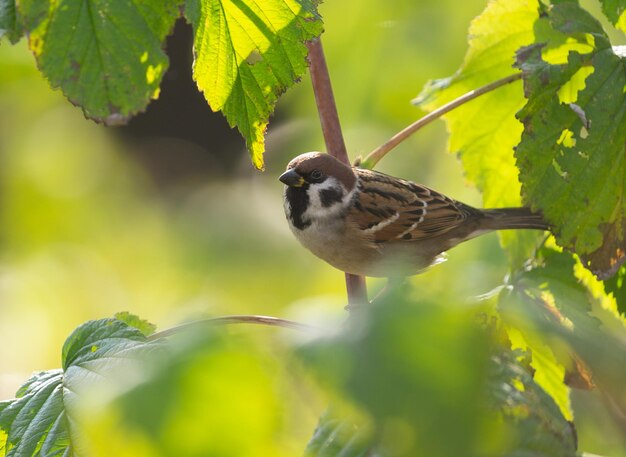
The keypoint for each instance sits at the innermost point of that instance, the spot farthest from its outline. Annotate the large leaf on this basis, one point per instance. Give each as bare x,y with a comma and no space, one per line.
41,420
434,385
8,21
528,410
571,156
583,334
105,55
484,132
210,394
246,54
548,372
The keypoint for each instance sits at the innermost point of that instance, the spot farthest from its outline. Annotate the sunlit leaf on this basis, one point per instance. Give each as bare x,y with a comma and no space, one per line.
106,56
547,300
145,327
528,411
484,131
247,53
571,156
40,420
548,373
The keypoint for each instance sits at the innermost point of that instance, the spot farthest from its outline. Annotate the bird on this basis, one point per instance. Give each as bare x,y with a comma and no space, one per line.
368,223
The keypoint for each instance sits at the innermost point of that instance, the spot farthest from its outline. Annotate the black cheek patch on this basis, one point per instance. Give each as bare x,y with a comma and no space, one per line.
329,197
298,199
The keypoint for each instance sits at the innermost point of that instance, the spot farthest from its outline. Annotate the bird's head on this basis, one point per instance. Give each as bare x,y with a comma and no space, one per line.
317,186
315,168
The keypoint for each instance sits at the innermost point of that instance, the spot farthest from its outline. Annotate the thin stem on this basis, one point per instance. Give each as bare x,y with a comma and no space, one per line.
377,154
326,107
239,319
331,128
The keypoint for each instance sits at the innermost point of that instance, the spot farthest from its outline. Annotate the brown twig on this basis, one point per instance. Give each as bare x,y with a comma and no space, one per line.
377,154
331,128
238,319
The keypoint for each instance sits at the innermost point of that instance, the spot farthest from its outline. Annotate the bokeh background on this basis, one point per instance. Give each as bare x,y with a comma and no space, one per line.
166,217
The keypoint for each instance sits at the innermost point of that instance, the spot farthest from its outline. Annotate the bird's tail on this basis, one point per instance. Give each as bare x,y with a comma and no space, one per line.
513,218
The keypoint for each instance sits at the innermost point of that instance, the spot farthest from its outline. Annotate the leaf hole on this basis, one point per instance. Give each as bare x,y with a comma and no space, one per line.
584,133
567,139
568,92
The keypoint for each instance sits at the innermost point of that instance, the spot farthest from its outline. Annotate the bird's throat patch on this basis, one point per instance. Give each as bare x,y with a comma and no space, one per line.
298,199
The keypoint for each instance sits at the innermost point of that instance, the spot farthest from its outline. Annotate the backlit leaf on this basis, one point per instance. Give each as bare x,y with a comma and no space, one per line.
41,420
484,131
247,53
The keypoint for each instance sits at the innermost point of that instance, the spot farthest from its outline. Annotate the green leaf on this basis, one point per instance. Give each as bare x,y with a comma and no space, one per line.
571,157
614,10
434,383
106,56
391,365
209,394
145,327
8,21
3,435
247,53
37,422
548,373
584,336
528,411
338,437
484,131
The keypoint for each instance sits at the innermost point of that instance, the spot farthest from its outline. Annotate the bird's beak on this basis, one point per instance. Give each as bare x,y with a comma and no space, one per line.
291,178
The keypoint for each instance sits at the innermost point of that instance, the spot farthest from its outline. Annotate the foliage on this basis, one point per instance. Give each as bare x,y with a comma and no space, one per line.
260,54
8,23
106,57
467,394
406,376
111,62
571,153
41,420
484,133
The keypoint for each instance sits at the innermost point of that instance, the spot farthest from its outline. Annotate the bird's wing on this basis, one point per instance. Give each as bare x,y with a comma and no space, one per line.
390,209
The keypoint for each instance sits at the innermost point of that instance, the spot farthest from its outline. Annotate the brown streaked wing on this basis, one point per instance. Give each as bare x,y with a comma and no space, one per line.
390,209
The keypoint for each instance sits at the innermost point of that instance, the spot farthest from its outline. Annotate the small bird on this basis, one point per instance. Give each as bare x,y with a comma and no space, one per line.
368,223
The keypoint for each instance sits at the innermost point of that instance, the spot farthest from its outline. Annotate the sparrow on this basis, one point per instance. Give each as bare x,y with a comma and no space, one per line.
368,223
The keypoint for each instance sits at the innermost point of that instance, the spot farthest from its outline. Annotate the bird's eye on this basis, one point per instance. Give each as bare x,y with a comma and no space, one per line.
316,175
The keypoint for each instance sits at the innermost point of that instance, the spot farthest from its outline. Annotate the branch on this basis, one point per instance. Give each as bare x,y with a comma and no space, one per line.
326,107
240,319
331,128
374,157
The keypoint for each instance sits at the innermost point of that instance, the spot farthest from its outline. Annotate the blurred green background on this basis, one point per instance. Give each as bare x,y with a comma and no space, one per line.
167,218
97,220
